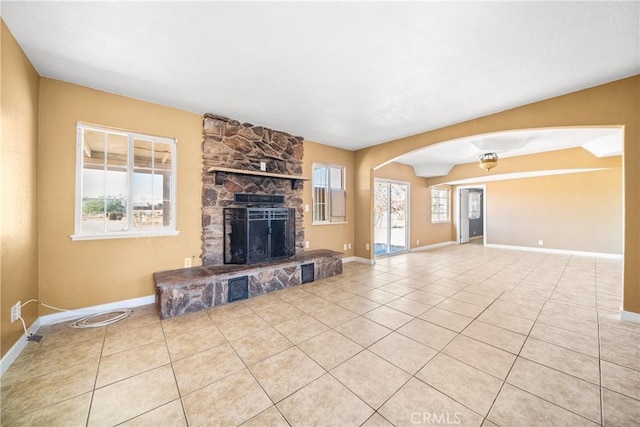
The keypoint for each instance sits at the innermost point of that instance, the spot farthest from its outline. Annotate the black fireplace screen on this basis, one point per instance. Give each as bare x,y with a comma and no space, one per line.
253,235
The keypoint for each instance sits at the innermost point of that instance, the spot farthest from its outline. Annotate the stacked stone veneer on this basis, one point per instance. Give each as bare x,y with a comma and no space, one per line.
230,144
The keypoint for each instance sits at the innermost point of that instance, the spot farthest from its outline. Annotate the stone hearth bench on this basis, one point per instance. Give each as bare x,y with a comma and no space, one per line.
187,290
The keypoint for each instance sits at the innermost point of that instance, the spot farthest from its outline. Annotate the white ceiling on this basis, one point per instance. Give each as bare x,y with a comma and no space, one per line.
348,74
439,159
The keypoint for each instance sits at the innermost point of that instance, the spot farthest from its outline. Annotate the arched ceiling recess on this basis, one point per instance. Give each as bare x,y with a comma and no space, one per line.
438,160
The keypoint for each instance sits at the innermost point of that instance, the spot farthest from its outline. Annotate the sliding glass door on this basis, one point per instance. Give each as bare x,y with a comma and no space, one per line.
391,217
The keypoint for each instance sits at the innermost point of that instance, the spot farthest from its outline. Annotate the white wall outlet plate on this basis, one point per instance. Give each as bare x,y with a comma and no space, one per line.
367,246
306,244
263,166
16,311
187,262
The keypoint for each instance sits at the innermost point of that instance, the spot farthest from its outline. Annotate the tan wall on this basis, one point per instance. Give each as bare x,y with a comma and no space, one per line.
580,212
572,203
613,104
77,274
19,256
420,229
329,236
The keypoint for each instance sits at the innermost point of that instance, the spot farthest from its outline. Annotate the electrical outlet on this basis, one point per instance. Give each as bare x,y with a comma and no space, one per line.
367,246
540,243
16,311
344,247
417,242
306,244
263,166
306,208
349,246
187,262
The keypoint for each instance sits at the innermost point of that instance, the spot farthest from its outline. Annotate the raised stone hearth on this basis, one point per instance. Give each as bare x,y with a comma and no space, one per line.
187,290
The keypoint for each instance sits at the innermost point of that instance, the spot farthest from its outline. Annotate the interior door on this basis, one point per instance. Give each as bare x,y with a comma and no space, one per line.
463,223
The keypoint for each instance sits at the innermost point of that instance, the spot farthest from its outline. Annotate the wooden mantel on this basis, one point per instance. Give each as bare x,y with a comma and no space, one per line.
220,171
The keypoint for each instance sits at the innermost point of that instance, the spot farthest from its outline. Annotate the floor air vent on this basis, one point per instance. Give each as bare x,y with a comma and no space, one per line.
238,288
307,273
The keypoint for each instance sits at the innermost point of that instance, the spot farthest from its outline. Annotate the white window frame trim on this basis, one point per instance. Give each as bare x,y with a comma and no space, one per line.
327,205
168,231
448,190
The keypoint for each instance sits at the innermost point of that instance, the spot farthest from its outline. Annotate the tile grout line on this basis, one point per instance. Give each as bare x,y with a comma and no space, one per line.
411,376
533,361
273,403
595,267
95,380
486,418
173,371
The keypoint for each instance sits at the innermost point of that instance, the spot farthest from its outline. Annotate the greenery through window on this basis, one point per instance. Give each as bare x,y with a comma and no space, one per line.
439,205
329,197
125,183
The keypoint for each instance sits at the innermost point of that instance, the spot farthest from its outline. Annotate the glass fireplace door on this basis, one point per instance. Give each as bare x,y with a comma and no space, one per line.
253,235
258,236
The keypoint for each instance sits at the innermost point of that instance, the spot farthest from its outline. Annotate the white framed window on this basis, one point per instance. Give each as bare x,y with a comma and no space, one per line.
125,184
329,196
439,205
474,204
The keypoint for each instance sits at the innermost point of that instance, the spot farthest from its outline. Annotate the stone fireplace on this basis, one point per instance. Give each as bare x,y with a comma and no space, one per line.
252,176
240,158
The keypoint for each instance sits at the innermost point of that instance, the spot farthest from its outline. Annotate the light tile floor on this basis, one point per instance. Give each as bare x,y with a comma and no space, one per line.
462,335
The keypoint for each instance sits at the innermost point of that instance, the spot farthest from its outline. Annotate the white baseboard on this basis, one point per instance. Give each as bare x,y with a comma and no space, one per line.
63,316
554,251
357,259
433,246
17,348
81,312
630,316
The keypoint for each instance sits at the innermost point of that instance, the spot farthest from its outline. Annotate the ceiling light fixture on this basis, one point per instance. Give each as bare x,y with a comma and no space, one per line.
488,161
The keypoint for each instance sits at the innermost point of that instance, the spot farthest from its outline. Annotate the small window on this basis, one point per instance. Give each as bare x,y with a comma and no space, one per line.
439,205
125,184
329,197
474,204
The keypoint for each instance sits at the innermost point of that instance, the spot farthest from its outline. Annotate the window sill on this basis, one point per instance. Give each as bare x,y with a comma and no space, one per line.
107,236
329,223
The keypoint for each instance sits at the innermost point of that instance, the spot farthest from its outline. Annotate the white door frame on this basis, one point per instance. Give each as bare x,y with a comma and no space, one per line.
456,210
463,210
407,217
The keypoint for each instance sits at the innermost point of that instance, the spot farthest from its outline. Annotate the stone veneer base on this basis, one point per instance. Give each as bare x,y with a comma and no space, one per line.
187,290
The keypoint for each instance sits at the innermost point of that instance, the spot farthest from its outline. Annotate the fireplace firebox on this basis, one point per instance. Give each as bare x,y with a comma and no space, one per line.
258,234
